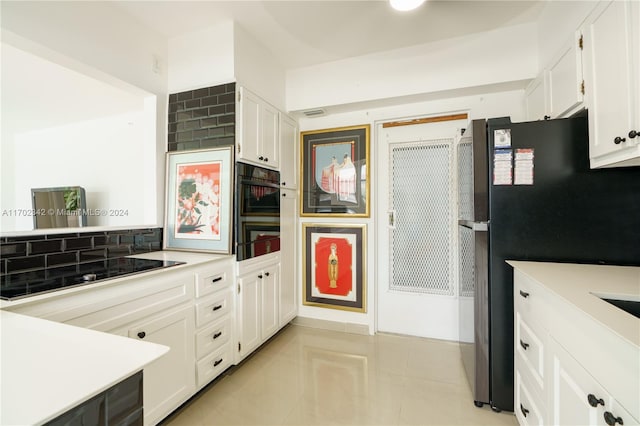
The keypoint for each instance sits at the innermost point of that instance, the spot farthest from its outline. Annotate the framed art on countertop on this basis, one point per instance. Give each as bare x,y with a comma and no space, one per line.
334,259
335,172
199,200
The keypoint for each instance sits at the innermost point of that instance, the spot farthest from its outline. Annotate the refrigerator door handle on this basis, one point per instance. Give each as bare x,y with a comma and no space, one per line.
474,226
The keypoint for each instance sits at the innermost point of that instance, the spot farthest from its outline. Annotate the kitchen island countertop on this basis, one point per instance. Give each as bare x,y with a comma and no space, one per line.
48,368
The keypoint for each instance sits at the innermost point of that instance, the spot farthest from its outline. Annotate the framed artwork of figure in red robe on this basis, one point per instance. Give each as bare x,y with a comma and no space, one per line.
335,265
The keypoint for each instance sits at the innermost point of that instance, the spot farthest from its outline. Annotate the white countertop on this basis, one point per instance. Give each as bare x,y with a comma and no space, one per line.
190,259
579,285
47,368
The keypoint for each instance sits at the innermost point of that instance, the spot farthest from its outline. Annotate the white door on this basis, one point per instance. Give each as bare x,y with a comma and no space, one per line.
416,229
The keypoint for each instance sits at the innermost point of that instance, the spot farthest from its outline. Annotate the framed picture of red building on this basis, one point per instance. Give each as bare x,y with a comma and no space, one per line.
335,172
335,265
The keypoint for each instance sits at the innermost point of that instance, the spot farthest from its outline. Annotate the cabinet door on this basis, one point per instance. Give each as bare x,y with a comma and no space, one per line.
270,282
535,99
565,78
248,128
269,147
288,256
169,380
574,392
249,313
289,146
609,79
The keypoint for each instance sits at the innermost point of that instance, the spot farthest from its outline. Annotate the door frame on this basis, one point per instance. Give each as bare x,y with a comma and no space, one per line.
380,215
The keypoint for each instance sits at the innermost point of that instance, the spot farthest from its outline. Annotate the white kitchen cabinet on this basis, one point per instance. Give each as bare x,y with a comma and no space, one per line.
611,68
166,306
215,315
564,76
257,130
270,284
536,99
289,148
258,314
249,313
559,89
578,398
569,369
170,380
288,255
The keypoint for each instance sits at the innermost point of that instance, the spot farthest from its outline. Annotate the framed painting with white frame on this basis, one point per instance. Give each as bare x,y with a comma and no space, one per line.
199,200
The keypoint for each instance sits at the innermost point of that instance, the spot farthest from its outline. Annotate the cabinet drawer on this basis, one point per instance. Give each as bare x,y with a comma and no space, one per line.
112,315
213,307
528,408
208,282
209,367
212,337
529,299
530,349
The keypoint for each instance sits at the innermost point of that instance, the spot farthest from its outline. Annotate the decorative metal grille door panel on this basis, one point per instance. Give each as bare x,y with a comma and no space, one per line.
465,211
420,202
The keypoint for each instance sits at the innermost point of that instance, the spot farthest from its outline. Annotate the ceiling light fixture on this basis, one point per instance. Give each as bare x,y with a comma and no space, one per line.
405,5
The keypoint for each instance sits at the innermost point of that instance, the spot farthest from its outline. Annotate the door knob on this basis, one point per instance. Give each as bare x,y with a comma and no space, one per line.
611,420
594,401
618,139
633,134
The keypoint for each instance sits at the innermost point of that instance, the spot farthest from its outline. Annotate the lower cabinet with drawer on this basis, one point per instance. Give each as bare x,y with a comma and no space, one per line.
551,341
215,314
168,381
189,309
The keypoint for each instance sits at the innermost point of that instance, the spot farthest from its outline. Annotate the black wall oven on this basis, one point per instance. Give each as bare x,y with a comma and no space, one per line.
257,211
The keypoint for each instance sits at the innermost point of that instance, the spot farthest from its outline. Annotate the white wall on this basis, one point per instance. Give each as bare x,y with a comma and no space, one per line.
504,55
100,41
104,156
201,58
257,69
557,24
478,106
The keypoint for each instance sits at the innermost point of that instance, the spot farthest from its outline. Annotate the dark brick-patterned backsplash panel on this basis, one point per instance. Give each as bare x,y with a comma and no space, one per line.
202,118
26,253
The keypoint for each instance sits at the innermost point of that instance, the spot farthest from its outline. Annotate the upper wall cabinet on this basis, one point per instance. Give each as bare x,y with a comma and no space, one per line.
535,98
257,130
566,86
612,70
289,144
559,89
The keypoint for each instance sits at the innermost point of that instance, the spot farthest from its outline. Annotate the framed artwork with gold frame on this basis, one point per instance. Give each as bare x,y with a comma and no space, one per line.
335,172
334,258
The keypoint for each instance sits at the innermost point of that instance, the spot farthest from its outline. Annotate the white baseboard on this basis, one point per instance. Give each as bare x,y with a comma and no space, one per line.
345,327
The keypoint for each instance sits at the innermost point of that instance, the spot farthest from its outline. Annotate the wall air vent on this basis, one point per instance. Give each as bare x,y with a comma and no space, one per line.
314,112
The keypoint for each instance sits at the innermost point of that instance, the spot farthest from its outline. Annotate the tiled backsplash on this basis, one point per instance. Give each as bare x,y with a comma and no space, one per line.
25,253
202,118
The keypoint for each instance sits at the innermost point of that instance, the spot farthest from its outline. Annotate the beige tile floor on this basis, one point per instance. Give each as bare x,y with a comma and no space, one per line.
307,376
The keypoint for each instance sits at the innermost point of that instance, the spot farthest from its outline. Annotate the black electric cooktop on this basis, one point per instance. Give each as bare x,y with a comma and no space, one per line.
23,284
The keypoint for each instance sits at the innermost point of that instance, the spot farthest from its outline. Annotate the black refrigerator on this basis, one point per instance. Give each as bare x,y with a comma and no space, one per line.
527,193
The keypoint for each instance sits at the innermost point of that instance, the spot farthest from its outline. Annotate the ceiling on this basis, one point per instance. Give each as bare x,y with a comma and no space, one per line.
303,33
